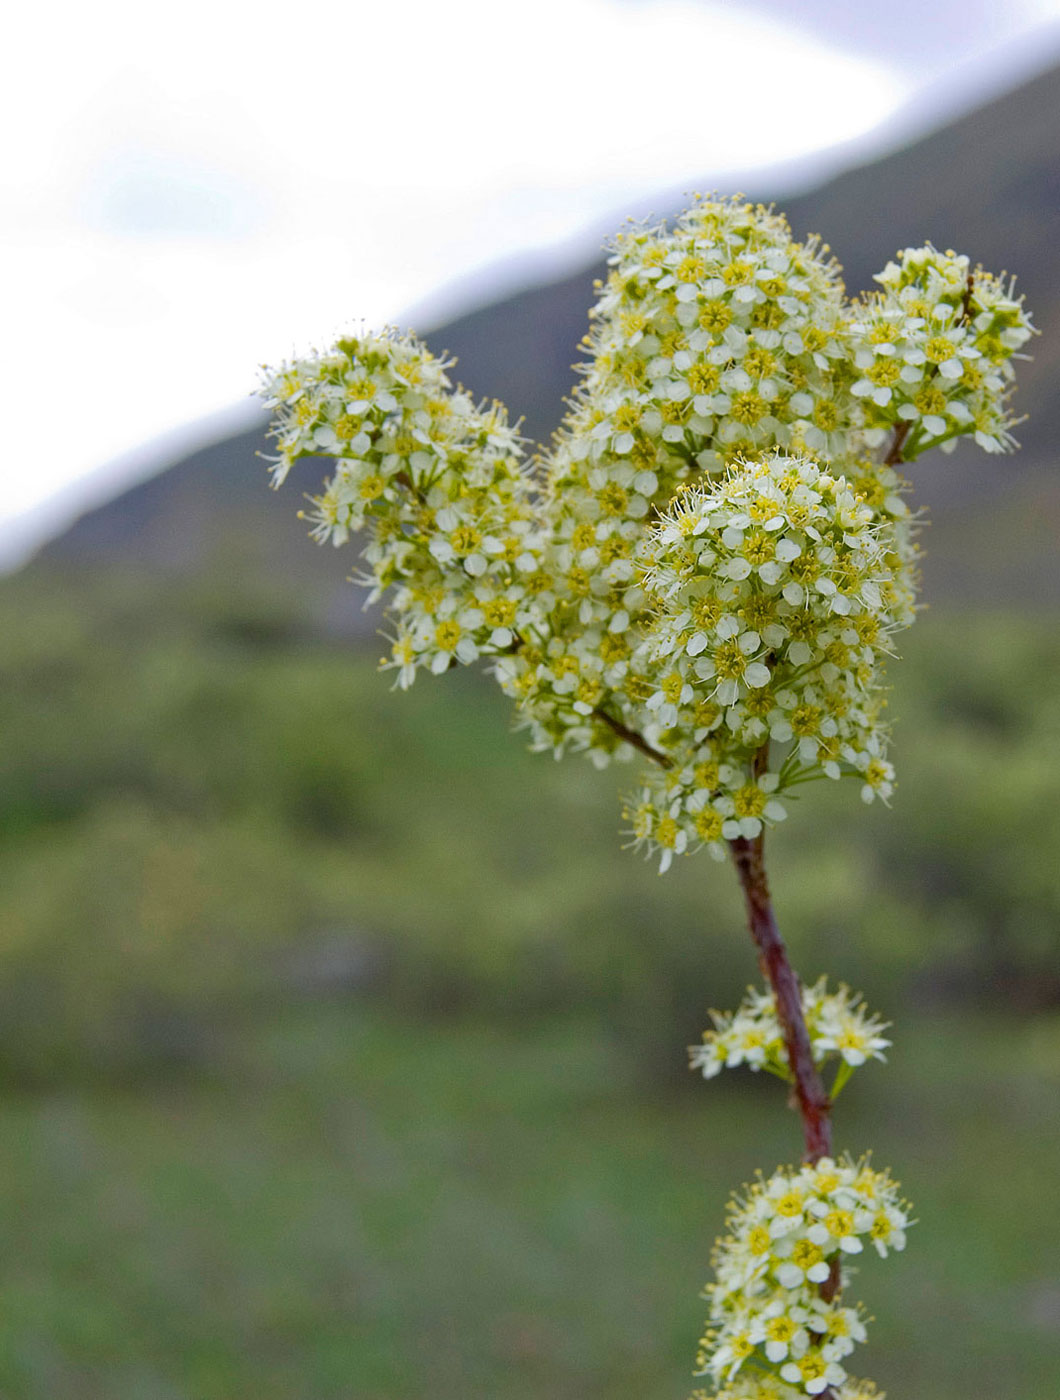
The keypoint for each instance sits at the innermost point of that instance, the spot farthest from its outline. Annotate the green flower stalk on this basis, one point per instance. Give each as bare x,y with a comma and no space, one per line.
705,572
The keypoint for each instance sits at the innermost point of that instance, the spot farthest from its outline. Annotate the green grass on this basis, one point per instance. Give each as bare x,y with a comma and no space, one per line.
376,1209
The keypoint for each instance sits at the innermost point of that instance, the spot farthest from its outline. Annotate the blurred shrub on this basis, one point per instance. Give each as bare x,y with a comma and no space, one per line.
204,809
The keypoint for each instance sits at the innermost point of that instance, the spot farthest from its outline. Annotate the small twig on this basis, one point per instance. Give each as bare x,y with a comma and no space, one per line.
632,737
966,300
894,452
830,1287
403,479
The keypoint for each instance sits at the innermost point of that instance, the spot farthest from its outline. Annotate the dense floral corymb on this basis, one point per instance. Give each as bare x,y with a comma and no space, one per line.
712,340
774,604
706,567
776,1305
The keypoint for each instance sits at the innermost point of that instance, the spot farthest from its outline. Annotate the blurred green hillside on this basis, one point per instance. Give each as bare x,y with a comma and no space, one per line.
204,811
342,1046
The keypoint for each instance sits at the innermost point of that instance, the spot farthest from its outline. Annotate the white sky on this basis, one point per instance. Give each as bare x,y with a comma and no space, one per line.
191,190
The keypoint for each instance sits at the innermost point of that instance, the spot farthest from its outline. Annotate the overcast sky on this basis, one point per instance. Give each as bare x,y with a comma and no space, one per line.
191,190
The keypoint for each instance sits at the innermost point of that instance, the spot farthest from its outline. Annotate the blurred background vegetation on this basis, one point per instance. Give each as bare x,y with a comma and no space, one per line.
342,1048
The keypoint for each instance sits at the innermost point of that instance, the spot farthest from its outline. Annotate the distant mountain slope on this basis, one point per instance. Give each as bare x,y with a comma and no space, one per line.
988,184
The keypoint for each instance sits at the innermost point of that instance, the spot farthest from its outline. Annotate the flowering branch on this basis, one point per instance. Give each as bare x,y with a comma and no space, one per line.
706,564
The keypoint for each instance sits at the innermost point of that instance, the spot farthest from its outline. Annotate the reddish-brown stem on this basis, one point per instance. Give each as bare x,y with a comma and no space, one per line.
894,453
966,300
403,479
808,1091
632,737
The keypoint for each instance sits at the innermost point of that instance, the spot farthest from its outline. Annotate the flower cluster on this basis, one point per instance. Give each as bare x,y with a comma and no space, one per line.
776,1300
708,563
934,352
719,337
436,483
839,1024
774,605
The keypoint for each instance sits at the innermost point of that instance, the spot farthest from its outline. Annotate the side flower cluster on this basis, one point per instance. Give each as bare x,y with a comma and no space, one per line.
435,482
934,351
776,1308
839,1024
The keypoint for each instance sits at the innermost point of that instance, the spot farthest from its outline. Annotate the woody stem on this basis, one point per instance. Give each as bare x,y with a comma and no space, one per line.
808,1091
